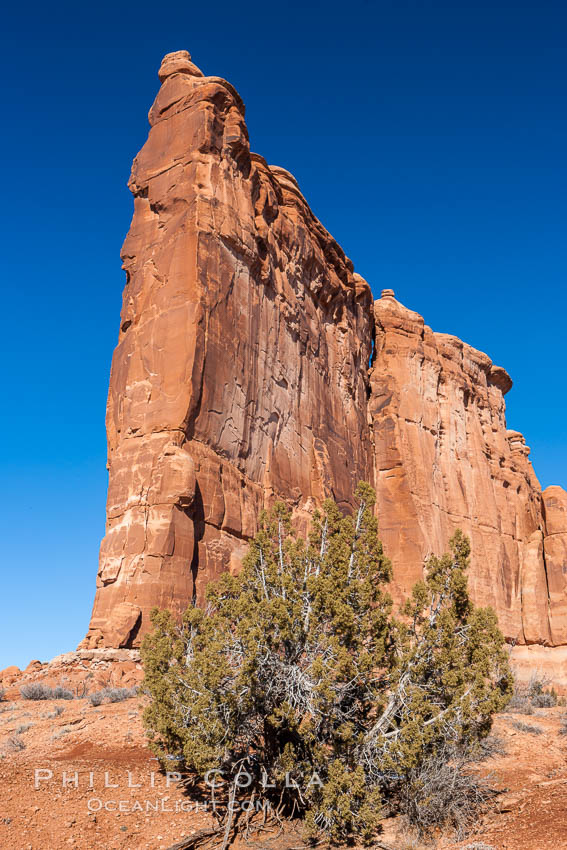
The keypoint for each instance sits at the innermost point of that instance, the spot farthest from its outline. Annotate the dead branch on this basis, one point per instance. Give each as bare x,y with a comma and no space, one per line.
194,840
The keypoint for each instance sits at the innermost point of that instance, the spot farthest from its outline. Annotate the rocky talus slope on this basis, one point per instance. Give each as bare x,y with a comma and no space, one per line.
253,364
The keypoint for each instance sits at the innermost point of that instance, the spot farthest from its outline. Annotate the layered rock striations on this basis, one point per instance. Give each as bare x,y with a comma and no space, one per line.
242,374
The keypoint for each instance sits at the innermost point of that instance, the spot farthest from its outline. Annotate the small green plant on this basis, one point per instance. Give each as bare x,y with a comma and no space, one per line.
298,666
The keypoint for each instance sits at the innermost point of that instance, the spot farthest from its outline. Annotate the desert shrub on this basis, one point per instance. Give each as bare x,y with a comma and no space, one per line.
443,792
532,694
120,694
521,705
23,728
112,695
545,699
479,845
57,711
36,691
489,747
525,727
60,733
2,694
59,692
15,743
298,666
96,698
521,702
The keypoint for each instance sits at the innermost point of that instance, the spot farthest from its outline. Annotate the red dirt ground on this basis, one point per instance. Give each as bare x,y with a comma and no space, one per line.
108,742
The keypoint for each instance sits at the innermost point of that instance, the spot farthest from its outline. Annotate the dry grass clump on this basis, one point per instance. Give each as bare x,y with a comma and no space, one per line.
525,727
532,694
444,792
60,733
57,711
39,691
491,746
112,695
15,743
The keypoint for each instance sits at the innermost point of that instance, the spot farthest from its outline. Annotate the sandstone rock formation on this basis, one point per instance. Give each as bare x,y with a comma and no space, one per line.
241,366
444,459
81,672
242,373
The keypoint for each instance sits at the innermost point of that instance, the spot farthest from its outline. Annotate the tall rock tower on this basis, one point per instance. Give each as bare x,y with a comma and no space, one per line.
240,373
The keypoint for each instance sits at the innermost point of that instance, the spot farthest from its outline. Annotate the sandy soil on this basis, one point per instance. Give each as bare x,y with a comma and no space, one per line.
532,813
85,779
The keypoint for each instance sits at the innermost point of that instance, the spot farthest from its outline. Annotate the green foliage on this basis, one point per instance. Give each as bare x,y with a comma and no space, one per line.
298,667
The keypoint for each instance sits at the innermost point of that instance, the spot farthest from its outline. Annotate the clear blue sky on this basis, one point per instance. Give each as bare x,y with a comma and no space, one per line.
430,139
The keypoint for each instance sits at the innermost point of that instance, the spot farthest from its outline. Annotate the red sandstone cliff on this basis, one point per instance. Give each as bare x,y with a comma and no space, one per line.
241,374
445,460
241,365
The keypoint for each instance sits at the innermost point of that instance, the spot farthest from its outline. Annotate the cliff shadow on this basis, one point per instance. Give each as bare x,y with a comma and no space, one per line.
197,513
